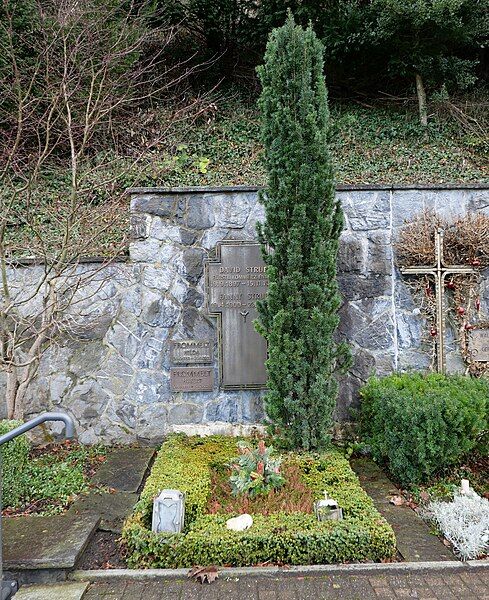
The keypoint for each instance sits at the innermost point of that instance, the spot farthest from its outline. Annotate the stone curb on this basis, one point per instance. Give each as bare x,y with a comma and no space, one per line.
229,189
307,570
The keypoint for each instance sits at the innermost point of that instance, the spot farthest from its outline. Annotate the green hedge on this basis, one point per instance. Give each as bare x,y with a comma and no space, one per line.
419,424
15,455
296,538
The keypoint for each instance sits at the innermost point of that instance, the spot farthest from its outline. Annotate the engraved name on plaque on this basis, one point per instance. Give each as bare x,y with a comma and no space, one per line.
479,344
234,282
184,352
192,379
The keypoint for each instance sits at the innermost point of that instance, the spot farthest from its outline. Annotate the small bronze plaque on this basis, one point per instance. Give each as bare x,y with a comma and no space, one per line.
192,379
479,344
193,352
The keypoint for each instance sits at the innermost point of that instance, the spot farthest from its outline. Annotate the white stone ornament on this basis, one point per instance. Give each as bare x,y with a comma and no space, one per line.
168,512
466,490
240,523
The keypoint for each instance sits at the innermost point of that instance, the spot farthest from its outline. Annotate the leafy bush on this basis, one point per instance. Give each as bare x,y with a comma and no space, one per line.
256,470
292,538
14,462
420,424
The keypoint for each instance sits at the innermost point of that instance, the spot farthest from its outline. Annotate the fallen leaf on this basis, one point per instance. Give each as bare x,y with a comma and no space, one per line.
447,543
424,496
204,574
397,500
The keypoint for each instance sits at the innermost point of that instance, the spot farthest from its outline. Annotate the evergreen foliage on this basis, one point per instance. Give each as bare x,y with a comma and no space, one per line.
300,236
419,425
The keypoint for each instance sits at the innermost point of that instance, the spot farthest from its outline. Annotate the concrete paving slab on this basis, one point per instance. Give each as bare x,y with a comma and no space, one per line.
53,542
414,541
113,509
55,591
124,469
434,585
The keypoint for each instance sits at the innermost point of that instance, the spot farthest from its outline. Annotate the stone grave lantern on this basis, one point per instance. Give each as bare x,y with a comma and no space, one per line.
168,512
328,509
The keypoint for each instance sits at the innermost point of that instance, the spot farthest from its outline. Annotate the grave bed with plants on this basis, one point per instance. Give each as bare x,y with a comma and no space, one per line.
285,529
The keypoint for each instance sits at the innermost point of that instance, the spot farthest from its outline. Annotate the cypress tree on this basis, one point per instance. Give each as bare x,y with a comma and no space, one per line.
299,240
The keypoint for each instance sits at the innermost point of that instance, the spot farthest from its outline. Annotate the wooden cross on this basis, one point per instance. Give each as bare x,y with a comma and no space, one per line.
439,271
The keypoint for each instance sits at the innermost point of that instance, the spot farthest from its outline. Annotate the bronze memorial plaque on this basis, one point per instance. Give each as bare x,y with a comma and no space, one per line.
192,379
234,282
184,352
479,344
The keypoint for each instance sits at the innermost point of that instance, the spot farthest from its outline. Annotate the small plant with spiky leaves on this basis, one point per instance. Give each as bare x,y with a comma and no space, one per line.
256,471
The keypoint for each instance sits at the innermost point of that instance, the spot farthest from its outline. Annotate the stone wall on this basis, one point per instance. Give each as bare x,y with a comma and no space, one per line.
113,374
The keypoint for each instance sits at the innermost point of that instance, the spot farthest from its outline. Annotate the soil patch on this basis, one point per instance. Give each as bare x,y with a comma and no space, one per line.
102,552
293,496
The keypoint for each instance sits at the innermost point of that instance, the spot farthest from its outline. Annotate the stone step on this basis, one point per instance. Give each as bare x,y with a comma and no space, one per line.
415,542
53,591
124,469
112,508
42,549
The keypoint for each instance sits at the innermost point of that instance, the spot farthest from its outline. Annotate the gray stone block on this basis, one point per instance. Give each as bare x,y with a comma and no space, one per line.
199,212
183,414
163,231
193,260
367,211
379,259
356,287
152,204
194,298
187,237
144,251
161,312
352,254
139,227
252,407
223,409
232,210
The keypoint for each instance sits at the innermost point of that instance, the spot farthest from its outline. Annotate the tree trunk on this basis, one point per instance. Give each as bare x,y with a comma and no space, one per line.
11,392
423,110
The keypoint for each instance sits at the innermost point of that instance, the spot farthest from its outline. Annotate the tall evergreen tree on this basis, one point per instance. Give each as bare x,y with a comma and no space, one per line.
299,240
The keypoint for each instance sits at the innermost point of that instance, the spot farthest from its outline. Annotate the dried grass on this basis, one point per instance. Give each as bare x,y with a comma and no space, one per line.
466,240
293,496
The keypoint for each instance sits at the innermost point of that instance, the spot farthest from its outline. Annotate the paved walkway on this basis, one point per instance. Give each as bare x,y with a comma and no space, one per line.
414,540
425,585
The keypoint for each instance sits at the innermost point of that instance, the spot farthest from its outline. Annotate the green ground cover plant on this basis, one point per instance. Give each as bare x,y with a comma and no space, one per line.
15,455
45,480
285,536
419,425
375,144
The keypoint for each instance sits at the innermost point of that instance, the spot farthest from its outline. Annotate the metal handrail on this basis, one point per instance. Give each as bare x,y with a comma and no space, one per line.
8,588
51,416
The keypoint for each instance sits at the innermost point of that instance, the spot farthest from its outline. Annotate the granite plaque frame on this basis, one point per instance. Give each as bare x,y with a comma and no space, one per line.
191,352
479,344
235,280
192,379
